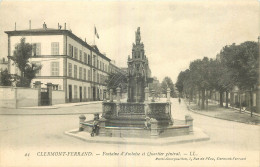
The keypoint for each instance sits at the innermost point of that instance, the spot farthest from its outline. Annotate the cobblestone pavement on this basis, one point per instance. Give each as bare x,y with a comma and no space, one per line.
36,134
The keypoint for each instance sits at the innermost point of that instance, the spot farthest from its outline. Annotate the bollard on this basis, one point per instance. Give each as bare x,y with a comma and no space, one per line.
105,96
111,95
189,121
153,93
102,127
168,95
146,91
118,90
82,118
154,128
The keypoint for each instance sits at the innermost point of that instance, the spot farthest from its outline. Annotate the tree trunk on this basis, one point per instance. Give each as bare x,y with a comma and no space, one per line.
226,99
250,104
203,99
221,99
190,97
199,99
215,97
239,102
207,100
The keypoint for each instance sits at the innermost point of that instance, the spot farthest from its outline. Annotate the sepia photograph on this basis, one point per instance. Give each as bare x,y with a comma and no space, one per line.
129,83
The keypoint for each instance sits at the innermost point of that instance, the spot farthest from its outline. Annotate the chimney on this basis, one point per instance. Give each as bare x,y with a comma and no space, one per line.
58,25
15,26
30,24
44,26
85,39
65,26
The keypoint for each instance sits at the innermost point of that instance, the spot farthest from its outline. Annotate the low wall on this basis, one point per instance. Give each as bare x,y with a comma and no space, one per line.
27,97
58,97
7,97
15,97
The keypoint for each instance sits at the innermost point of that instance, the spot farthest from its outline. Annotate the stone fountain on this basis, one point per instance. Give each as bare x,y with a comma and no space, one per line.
139,117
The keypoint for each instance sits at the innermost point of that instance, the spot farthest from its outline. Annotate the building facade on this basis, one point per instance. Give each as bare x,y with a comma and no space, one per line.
68,62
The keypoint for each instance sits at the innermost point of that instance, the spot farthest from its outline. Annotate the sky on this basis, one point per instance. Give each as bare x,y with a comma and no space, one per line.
174,32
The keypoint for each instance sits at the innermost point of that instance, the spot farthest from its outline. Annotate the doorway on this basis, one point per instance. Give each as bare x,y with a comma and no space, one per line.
94,93
80,94
70,93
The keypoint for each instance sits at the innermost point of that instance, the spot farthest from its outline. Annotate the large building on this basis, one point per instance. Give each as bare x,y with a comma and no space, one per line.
68,62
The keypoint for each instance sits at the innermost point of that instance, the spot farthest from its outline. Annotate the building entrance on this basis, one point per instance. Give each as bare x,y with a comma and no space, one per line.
45,101
94,93
70,93
80,94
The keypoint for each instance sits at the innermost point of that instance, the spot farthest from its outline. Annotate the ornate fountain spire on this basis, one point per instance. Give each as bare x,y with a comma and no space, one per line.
138,71
138,36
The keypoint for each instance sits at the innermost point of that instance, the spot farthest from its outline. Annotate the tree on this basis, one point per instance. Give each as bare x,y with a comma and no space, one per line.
116,80
167,83
5,78
243,62
156,87
183,83
21,56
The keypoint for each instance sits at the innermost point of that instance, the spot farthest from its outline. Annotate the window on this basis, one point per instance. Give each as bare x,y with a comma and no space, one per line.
94,61
75,53
70,50
85,92
80,72
97,64
70,70
88,92
75,91
37,63
89,60
80,55
54,68
94,76
97,77
75,71
55,48
89,75
85,58
85,74
55,87
36,49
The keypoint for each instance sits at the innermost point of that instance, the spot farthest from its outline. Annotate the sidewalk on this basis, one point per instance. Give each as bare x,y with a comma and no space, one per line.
63,105
229,114
58,109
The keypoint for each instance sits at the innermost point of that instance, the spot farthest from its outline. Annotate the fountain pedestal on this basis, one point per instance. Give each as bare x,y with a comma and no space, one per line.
139,116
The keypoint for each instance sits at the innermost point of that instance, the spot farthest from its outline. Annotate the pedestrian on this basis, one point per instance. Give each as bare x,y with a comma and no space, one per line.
179,100
147,123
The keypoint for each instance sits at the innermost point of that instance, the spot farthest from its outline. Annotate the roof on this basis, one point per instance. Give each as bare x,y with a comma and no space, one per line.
51,31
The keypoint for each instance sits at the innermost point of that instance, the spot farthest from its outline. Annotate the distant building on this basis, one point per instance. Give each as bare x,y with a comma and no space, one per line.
68,62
